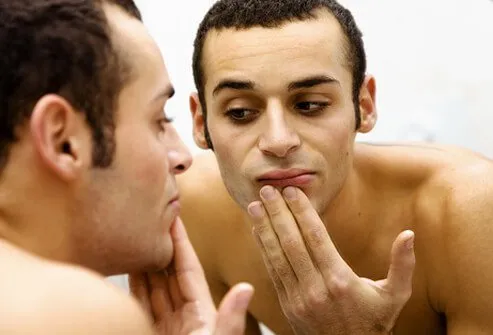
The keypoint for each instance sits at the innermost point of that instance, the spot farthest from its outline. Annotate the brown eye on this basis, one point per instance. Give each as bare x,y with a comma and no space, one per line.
163,122
311,107
240,115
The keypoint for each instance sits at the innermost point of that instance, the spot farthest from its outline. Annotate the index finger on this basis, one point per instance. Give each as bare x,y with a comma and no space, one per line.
317,239
188,270
139,288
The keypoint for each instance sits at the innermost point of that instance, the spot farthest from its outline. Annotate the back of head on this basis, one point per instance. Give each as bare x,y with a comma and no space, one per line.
245,14
62,47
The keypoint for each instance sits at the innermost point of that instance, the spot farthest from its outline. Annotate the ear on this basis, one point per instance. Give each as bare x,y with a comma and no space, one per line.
198,121
368,109
61,136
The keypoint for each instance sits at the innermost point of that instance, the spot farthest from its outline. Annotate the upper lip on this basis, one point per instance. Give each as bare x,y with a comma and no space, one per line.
283,174
175,198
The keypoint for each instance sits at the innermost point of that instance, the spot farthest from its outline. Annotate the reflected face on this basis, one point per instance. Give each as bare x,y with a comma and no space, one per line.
128,209
280,108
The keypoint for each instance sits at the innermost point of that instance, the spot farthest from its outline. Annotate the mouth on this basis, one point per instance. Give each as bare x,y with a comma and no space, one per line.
284,178
174,204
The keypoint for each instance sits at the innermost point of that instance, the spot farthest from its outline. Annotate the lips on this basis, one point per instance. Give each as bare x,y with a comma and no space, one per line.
175,204
284,178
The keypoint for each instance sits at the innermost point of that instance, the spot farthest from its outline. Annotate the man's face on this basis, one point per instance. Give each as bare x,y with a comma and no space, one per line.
280,109
128,208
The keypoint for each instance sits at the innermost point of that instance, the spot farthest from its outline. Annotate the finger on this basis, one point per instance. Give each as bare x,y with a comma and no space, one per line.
175,291
139,288
231,316
278,285
188,270
271,247
322,249
161,303
289,235
402,263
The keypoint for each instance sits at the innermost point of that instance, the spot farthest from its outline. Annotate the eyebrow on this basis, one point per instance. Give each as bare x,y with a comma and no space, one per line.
168,93
249,85
311,82
234,85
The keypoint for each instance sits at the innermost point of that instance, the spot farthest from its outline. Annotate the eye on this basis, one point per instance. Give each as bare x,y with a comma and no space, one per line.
311,107
162,122
241,115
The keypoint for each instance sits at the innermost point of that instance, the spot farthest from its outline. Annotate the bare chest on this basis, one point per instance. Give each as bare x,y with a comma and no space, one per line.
243,262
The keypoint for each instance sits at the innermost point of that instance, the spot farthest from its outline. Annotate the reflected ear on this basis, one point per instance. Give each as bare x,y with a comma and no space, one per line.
60,137
367,106
198,121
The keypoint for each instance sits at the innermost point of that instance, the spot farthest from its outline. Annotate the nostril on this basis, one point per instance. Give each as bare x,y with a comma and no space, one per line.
180,167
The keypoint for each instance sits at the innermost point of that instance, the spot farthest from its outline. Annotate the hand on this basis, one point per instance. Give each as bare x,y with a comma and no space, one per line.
318,291
179,300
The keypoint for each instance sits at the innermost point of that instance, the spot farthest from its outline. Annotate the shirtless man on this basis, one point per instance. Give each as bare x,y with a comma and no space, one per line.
87,187
282,92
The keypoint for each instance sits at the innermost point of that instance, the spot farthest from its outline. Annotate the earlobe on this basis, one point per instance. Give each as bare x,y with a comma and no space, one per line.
56,137
368,110
198,122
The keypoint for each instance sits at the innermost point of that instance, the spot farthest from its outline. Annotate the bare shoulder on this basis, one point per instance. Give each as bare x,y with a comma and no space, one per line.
211,218
202,181
40,297
454,229
460,184
206,205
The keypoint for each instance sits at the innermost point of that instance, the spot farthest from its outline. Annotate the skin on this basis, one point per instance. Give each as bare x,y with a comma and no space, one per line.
64,224
365,195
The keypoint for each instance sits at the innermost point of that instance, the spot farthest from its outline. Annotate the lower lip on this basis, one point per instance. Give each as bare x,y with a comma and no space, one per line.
301,180
175,205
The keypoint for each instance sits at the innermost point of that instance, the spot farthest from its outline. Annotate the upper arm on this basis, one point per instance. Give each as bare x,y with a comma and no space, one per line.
110,313
75,302
467,280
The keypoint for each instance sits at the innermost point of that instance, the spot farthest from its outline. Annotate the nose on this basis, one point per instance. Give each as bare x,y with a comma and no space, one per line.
179,156
278,139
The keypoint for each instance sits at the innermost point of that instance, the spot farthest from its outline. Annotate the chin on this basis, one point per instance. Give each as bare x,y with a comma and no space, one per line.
164,253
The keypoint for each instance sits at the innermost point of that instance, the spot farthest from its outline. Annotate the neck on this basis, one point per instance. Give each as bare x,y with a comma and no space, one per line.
33,217
349,219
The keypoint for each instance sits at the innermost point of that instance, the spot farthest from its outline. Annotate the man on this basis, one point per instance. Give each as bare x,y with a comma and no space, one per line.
88,161
282,92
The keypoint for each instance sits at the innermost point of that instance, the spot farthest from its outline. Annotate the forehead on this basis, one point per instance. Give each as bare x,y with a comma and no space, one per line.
294,49
140,53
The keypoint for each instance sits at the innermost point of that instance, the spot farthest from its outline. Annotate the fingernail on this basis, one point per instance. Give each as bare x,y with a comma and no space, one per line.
268,193
290,193
243,299
410,240
255,210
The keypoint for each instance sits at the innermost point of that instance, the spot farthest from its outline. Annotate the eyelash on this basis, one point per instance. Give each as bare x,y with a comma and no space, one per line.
163,121
320,107
231,111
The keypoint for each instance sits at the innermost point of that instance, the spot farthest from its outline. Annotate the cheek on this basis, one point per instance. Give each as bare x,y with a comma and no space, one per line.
145,160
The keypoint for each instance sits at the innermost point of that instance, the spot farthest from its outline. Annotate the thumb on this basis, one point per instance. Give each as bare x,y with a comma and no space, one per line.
400,276
231,315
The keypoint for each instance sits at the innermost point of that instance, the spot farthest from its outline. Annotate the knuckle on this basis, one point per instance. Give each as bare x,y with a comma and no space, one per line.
283,269
316,299
298,309
270,243
316,236
260,229
291,243
339,286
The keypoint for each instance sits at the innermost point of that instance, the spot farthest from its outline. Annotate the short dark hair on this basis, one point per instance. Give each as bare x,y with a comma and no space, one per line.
62,47
244,14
